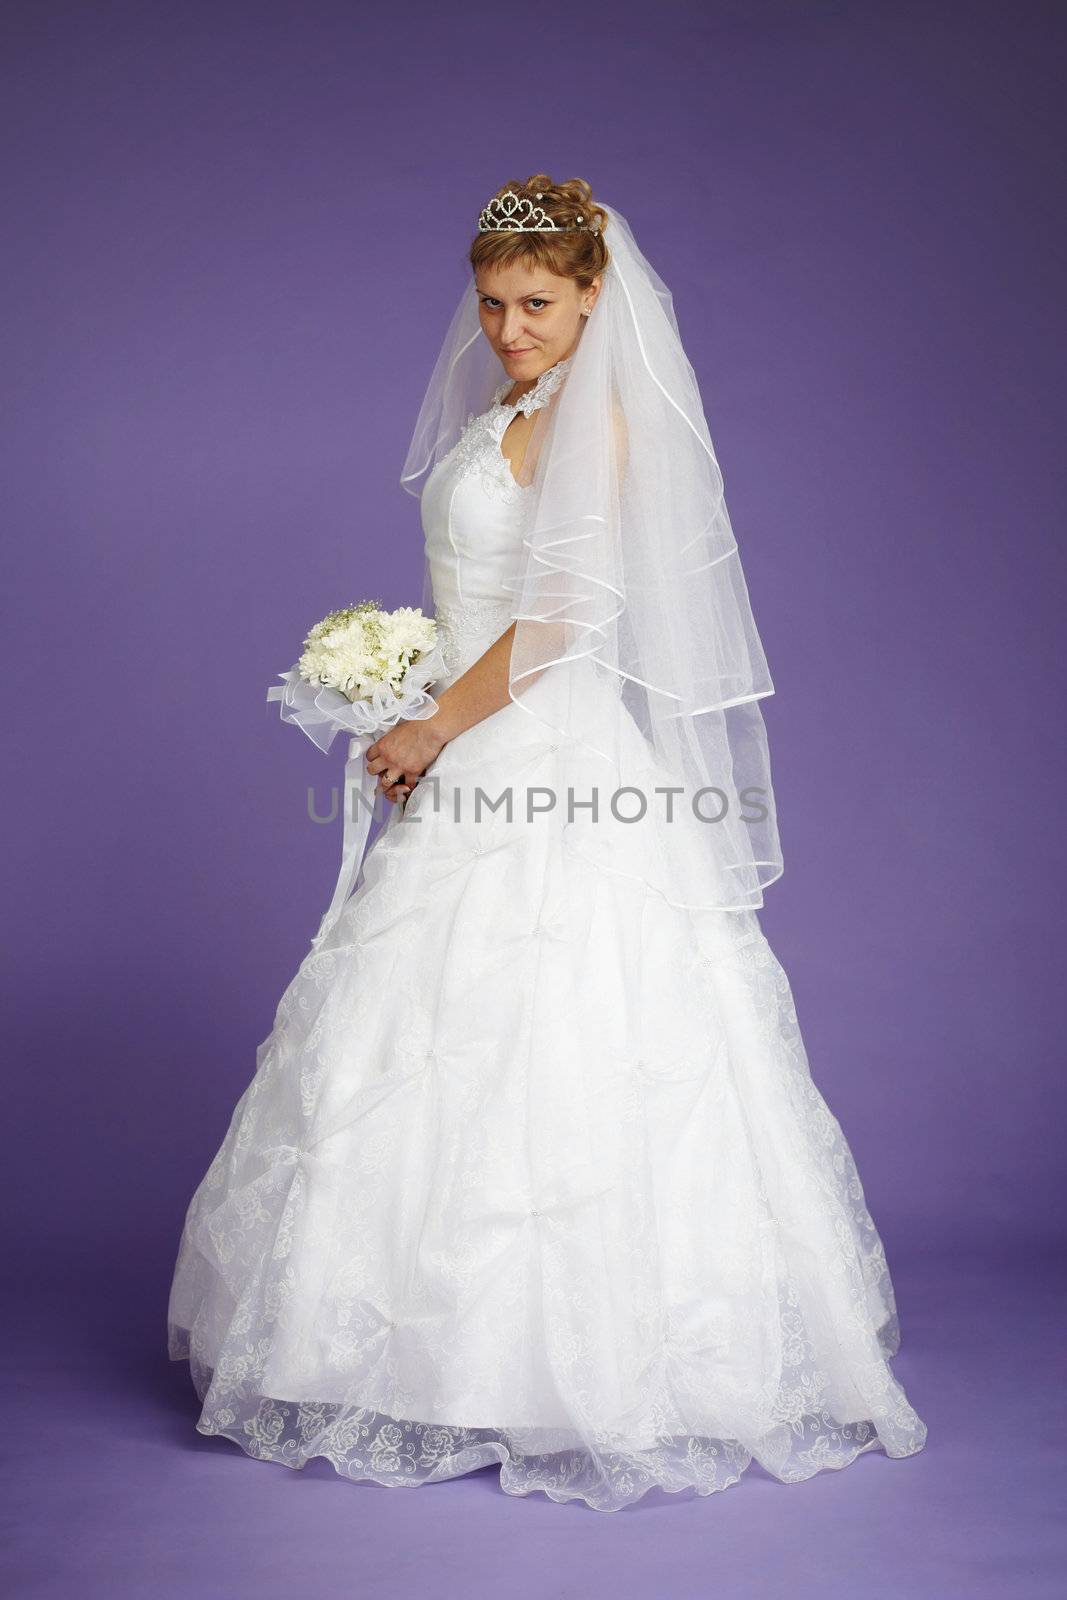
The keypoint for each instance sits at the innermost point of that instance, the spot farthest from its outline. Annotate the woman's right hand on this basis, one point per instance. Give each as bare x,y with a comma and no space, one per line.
403,753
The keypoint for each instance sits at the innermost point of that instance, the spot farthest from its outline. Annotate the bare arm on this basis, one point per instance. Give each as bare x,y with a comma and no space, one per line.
480,691
485,686
410,747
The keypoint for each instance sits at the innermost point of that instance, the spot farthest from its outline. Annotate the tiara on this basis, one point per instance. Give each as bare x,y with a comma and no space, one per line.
516,213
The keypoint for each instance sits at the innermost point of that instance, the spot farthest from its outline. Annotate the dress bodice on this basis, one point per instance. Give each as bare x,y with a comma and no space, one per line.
473,515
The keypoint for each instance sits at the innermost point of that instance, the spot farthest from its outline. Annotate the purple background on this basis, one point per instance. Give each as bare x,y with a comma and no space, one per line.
233,235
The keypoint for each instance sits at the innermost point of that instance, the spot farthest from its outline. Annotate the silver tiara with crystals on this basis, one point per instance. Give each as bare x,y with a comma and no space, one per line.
516,213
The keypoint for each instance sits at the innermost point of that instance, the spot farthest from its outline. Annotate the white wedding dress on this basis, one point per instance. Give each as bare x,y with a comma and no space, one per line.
532,1170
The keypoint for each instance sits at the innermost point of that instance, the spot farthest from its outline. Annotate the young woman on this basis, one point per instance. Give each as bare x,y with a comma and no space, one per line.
532,1169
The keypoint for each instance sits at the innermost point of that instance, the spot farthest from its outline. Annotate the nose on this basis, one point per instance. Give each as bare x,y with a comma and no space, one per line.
511,332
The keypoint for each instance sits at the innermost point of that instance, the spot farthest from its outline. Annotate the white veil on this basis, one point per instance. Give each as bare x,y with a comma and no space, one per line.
634,640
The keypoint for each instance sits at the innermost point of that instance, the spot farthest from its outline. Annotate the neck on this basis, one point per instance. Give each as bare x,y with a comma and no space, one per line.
531,383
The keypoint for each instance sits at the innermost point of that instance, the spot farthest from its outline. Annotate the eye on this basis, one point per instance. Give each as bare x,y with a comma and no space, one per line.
534,300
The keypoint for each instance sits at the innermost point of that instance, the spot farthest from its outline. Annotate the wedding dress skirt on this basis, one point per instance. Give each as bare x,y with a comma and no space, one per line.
532,1169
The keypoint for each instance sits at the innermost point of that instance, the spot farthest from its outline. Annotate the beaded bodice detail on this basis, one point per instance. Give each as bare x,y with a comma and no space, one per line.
478,448
473,514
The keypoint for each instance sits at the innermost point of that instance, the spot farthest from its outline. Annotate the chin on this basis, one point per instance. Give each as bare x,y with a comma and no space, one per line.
540,359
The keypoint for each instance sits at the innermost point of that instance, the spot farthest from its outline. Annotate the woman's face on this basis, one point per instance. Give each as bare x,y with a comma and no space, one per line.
531,318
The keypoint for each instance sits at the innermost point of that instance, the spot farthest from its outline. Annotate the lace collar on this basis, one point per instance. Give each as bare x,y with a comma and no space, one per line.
540,394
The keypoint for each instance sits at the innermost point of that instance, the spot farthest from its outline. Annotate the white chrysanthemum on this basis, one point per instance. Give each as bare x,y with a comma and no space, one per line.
361,648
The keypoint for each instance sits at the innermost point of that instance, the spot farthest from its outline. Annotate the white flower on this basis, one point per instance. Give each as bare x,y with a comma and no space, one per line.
362,648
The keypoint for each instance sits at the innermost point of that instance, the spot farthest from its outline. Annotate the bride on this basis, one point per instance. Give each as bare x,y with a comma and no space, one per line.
532,1169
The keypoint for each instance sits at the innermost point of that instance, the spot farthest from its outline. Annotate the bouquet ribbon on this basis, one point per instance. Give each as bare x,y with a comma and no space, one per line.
323,713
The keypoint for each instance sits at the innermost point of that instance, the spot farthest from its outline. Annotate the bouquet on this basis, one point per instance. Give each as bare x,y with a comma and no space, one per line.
363,669
362,649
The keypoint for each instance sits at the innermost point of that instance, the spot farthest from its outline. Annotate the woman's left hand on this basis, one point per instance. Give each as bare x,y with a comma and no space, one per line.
403,754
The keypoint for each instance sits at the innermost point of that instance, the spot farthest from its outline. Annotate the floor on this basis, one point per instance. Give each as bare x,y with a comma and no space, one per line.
111,1492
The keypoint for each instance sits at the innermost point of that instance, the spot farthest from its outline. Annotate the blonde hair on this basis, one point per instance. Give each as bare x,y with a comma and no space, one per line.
575,254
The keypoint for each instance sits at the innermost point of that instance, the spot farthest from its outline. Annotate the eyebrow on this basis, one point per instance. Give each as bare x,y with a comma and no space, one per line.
527,296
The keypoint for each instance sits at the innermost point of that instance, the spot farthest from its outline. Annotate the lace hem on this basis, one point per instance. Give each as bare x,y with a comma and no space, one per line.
608,1474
